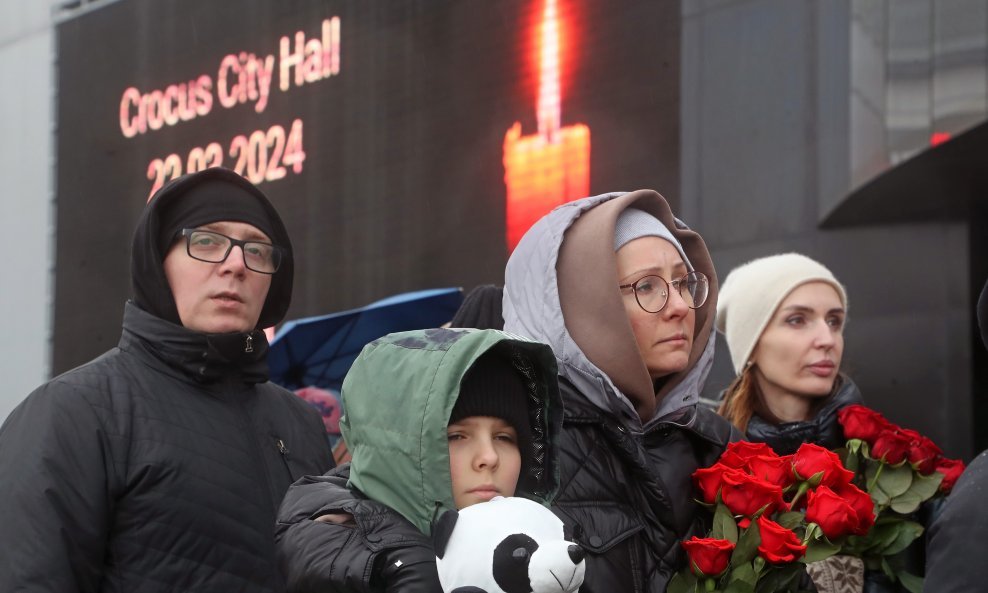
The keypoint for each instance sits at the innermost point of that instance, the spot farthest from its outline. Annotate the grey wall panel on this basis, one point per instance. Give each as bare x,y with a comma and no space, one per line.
768,125
752,133
25,203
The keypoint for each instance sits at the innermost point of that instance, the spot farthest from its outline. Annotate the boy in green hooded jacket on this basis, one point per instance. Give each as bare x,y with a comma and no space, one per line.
435,420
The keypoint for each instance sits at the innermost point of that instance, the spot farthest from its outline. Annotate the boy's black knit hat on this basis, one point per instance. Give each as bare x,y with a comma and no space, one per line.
493,387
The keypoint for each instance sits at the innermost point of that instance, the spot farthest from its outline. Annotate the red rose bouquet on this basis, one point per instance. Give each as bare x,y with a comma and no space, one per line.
900,469
771,513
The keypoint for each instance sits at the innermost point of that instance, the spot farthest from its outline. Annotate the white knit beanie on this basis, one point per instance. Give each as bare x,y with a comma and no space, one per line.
752,292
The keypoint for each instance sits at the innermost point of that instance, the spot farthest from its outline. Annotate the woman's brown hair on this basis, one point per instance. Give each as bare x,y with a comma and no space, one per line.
740,397
742,400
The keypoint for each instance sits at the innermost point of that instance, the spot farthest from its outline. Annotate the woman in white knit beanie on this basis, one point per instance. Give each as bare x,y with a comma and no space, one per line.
783,317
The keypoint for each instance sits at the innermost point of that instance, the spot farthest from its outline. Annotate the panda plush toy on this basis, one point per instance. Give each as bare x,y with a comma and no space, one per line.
506,545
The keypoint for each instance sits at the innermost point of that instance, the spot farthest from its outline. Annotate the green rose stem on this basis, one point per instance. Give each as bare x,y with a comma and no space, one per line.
709,584
874,481
803,488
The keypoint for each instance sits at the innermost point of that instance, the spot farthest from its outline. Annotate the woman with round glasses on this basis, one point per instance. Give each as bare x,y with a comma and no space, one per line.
624,294
783,317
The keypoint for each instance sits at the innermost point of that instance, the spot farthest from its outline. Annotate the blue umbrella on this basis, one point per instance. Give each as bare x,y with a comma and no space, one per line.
318,351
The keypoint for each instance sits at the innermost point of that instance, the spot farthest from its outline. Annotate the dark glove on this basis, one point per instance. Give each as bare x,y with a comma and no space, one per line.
407,570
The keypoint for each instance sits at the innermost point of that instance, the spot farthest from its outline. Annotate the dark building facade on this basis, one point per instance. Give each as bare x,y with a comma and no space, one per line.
795,116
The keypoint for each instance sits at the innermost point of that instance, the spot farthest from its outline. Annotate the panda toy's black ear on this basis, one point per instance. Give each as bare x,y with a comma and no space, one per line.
442,530
468,590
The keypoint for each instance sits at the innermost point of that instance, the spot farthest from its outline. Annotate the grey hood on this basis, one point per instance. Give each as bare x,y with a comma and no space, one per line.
570,252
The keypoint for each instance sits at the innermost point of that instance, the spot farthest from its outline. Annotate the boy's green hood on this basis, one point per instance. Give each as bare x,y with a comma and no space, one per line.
398,397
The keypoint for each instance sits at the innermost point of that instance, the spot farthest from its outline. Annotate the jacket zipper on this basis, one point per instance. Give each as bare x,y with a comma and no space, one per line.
256,444
285,452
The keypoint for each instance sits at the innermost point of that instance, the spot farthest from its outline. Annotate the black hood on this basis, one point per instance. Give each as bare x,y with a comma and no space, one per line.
151,290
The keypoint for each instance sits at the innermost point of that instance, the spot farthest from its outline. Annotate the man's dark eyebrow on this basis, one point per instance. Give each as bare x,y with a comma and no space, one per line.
250,235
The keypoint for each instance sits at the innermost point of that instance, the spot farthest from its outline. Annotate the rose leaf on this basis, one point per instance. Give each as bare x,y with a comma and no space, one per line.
740,587
745,572
724,527
906,503
906,533
926,486
681,583
790,520
747,546
911,582
819,549
895,480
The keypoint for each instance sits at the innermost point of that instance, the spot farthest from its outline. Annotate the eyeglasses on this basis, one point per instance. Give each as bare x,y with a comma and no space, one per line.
652,292
214,248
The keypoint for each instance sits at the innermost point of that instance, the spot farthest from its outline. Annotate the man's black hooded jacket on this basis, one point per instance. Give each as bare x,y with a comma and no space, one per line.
158,466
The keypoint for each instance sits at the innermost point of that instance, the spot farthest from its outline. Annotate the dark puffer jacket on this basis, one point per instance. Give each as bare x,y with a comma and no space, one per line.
398,396
157,467
956,545
629,445
378,551
823,429
629,498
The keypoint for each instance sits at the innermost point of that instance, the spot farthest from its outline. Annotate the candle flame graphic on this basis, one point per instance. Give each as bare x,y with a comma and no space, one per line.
548,112
552,166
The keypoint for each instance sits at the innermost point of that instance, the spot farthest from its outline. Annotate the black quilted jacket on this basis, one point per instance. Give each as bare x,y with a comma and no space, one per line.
157,467
629,499
379,552
823,429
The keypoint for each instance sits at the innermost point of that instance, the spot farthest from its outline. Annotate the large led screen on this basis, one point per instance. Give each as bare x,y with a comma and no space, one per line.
408,145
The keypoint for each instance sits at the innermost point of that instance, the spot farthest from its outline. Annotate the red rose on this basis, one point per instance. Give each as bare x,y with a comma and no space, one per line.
737,454
909,433
833,514
951,470
779,545
923,453
891,447
709,557
862,423
744,494
773,469
811,459
708,480
862,504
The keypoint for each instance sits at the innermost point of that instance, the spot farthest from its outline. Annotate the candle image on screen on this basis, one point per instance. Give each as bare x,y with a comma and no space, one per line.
552,166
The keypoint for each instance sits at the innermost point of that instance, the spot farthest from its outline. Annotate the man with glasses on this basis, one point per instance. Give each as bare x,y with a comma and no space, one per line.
625,295
161,464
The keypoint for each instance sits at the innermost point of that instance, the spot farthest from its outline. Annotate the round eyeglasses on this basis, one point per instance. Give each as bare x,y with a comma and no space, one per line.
213,247
652,292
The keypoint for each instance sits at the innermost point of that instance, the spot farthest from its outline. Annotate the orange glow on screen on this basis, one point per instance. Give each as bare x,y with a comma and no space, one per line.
552,166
